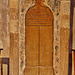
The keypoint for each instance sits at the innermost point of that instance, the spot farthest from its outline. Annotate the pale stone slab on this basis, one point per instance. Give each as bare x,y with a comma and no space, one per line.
5,28
22,56
14,26
14,3
14,13
14,37
65,21
64,36
65,7
65,14
5,69
14,54
64,53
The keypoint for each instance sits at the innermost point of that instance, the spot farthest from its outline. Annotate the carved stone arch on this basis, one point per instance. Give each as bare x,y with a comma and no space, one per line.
59,7
39,35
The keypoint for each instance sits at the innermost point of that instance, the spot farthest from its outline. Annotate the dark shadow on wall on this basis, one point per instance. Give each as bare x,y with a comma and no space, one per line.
71,35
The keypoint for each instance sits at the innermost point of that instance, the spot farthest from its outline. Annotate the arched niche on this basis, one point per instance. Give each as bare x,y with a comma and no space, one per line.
39,28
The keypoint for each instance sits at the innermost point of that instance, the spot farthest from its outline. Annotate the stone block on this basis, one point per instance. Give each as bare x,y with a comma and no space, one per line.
14,54
14,13
65,7
14,3
14,26
65,21
64,50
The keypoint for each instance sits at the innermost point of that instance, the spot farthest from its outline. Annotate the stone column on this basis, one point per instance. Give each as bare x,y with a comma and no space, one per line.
64,36
14,37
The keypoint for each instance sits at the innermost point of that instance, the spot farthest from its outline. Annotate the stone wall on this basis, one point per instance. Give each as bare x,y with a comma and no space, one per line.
4,34
61,11
13,36
64,36
4,27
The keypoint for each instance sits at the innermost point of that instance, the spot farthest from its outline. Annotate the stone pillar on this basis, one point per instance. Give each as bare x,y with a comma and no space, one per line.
64,36
14,37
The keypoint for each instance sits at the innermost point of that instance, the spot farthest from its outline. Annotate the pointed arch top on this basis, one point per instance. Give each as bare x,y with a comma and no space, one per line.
39,14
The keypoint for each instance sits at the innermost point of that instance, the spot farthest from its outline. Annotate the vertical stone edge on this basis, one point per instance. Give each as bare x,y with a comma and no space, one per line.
64,37
5,41
72,62
23,7
56,53
14,38
21,38
5,28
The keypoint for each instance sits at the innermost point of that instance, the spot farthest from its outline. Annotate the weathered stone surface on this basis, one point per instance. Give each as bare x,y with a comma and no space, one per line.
64,36
14,3
14,54
14,13
14,37
18,40
22,44
5,69
65,21
64,47
14,26
65,14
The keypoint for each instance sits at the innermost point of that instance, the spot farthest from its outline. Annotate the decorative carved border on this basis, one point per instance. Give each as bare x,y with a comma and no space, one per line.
55,5
23,6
